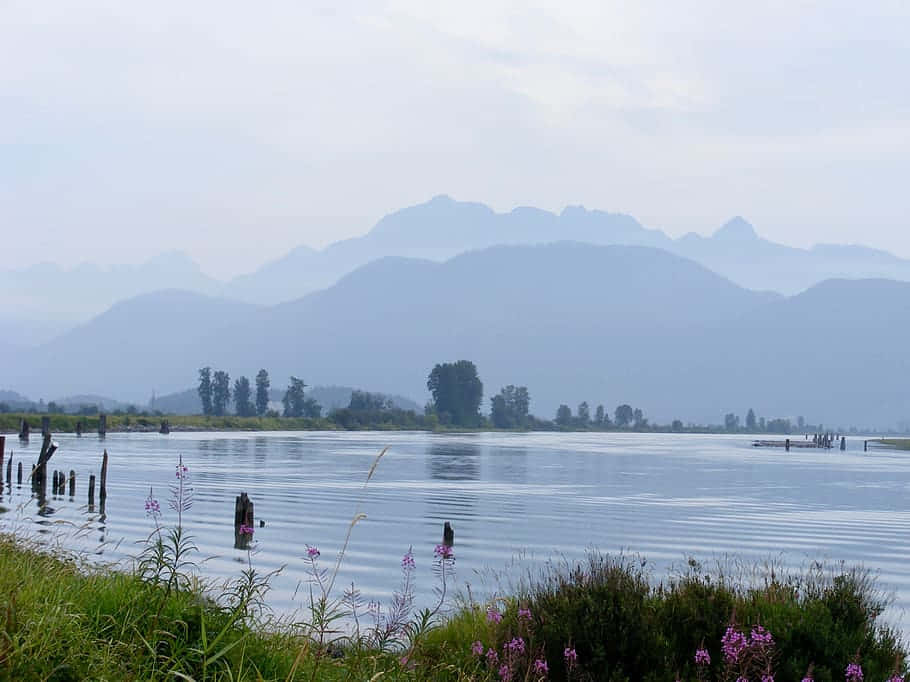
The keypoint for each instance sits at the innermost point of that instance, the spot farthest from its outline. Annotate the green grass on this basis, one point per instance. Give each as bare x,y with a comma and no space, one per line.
62,619
896,443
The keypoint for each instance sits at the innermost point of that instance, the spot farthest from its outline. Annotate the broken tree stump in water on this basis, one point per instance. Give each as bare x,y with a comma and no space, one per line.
39,475
448,535
244,520
102,492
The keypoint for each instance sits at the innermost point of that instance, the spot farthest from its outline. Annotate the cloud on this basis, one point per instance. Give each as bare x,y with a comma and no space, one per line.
126,129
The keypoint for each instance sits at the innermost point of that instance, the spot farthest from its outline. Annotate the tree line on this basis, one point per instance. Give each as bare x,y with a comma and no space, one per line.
216,395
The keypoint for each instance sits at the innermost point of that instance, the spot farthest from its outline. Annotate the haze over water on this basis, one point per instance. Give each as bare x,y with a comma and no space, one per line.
541,495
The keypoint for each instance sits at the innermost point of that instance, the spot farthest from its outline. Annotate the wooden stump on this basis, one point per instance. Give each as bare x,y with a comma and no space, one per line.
102,425
165,427
244,519
102,492
91,492
9,470
72,483
448,535
23,429
79,428
843,443
19,475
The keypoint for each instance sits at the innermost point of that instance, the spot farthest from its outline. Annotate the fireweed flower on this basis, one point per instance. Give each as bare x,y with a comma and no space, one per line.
767,678
702,657
477,648
493,616
246,530
492,657
524,614
516,646
571,656
853,673
760,637
152,508
443,552
541,667
896,678
505,673
407,561
733,643
312,552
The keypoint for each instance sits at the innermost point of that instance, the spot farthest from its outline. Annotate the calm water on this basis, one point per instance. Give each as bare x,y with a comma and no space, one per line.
540,495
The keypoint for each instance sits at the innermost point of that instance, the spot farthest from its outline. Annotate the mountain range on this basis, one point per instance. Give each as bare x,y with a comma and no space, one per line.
572,321
41,301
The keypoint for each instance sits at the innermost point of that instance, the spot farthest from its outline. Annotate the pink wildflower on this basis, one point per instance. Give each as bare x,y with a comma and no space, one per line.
477,648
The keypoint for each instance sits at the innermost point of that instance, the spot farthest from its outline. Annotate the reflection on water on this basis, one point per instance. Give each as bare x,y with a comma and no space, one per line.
666,496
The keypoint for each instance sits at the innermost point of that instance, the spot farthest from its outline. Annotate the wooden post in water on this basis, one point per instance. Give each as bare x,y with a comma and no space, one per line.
72,483
787,445
103,487
23,429
843,443
55,482
165,427
91,492
2,452
79,428
448,535
9,470
243,518
19,475
102,425
865,446
45,426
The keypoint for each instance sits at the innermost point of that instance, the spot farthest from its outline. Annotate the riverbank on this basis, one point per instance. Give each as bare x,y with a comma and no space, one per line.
126,423
600,619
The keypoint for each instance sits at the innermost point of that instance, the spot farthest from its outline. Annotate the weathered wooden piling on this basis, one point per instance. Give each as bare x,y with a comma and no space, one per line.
72,483
55,482
244,518
2,452
102,425
448,535
91,492
843,443
45,426
787,445
19,475
865,446
9,469
102,491
79,428
23,429
39,475
165,427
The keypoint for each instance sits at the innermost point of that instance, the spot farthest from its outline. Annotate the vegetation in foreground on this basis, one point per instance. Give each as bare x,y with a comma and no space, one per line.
598,620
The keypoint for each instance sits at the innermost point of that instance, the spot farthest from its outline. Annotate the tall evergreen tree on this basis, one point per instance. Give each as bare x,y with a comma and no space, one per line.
564,415
221,393
583,416
599,415
243,406
750,420
205,389
262,392
294,399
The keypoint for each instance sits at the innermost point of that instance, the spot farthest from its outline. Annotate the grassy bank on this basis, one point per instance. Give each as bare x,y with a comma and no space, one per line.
602,619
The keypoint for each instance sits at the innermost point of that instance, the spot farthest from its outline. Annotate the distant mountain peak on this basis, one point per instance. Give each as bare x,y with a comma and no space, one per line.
737,229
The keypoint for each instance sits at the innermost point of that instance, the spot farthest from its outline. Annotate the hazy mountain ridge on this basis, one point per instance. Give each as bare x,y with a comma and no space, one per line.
571,321
43,300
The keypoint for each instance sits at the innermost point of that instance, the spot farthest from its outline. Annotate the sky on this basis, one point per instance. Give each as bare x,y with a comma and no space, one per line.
236,131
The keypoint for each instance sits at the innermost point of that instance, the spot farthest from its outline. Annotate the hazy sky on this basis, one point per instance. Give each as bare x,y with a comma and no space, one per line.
236,131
